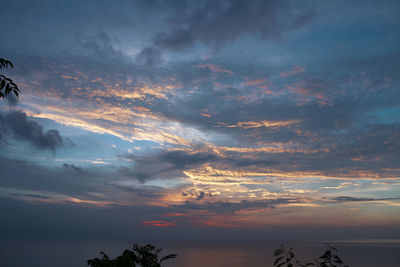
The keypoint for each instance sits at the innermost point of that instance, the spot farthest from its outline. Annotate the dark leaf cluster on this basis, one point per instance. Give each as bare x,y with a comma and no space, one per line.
144,256
287,258
6,84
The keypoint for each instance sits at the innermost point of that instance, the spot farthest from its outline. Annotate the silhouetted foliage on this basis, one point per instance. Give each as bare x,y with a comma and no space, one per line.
6,84
287,258
331,259
144,256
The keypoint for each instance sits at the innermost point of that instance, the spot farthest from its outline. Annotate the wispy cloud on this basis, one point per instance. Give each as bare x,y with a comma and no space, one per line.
159,223
214,68
256,124
296,70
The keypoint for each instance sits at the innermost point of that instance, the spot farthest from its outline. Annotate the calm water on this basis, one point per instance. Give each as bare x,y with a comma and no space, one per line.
199,253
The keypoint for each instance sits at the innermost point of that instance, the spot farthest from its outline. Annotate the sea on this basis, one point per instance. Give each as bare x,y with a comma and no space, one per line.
355,253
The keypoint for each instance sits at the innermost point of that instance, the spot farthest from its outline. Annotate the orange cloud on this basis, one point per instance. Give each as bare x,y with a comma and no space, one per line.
160,223
132,124
277,147
141,109
68,77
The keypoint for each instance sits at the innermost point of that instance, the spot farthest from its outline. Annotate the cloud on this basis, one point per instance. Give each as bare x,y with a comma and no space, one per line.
256,124
30,131
360,199
160,223
98,186
214,22
255,82
149,56
12,100
164,165
65,179
229,207
73,168
214,68
100,44
223,144
296,70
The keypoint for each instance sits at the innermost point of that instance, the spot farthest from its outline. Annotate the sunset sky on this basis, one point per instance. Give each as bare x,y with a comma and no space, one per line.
201,119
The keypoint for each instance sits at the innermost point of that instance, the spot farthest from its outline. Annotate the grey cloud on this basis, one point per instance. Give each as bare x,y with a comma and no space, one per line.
12,100
171,164
100,44
181,159
29,130
143,191
27,180
372,149
360,199
33,196
200,196
230,207
149,56
73,168
374,140
215,22
21,174
166,164
193,194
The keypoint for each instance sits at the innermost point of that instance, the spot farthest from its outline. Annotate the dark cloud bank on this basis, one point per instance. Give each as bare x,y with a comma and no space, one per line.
16,124
213,23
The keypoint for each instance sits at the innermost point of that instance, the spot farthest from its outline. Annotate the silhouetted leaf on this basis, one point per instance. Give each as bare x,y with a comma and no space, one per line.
6,83
170,256
337,259
278,260
291,254
327,255
278,252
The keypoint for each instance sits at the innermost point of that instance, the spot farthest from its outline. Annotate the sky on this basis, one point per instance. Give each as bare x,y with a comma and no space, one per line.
200,120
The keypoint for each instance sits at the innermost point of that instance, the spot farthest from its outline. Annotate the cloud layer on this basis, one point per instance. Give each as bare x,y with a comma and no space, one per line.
202,115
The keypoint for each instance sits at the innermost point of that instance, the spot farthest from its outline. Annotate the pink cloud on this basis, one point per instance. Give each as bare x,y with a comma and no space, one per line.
296,70
205,115
214,68
309,92
255,82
